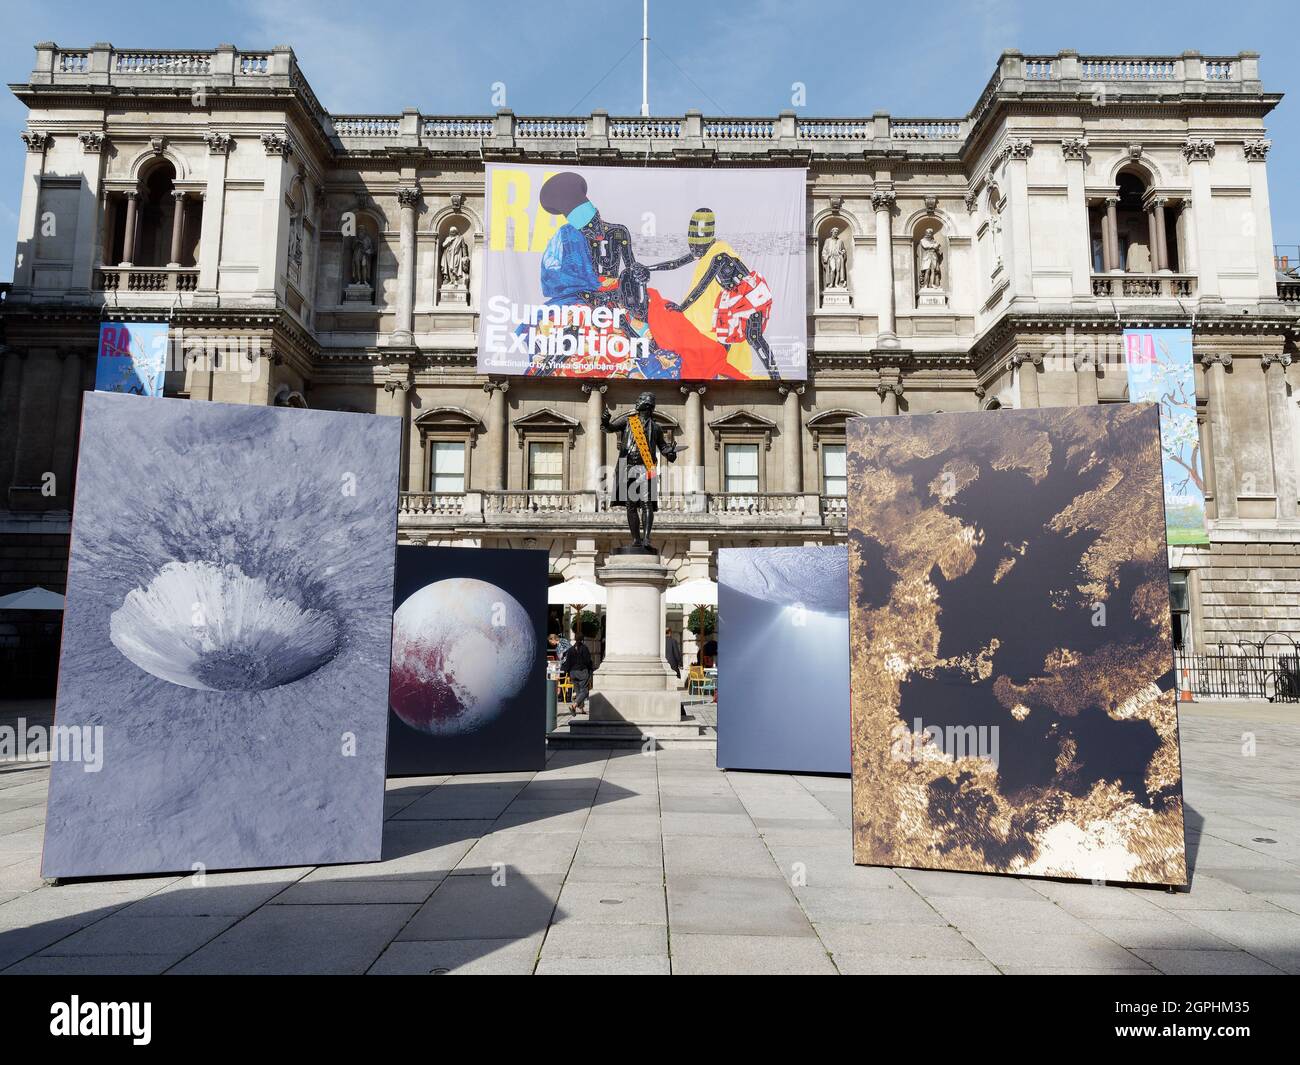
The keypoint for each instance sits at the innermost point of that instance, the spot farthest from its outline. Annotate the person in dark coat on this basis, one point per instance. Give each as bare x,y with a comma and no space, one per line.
672,652
578,664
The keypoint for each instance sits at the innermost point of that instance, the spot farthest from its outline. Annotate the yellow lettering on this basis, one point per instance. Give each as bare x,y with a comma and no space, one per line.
509,197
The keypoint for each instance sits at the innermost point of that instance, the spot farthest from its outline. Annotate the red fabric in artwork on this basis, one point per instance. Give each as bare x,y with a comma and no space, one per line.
703,358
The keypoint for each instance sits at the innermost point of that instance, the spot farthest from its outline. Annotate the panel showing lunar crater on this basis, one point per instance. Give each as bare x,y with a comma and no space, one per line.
1013,700
228,627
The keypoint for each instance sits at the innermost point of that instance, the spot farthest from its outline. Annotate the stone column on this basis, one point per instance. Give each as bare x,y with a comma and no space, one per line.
1019,149
1153,239
128,238
889,392
498,427
1162,236
792,430
1256,151
29,211
68,426
1225,464
275,215
408,200
89,220
1199,152
1284,471
1085,373
399,406
882,202
214,205
694,436
1074,151
595,435
1112,234
1026,367
1187,238
178,227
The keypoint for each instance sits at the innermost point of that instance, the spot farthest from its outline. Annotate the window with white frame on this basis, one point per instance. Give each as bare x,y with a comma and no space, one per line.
447,466
545,466
741,468
835,480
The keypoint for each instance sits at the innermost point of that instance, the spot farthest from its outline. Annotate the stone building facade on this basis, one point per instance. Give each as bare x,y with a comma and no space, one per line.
988,261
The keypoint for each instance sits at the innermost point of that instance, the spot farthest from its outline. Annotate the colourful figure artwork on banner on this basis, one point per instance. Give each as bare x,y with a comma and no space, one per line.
132,358
1160,371
626,272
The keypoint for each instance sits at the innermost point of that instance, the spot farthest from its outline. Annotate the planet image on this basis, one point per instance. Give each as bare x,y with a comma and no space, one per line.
462,648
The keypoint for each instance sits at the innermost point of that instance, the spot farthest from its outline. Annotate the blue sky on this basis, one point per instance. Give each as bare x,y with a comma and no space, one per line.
918,60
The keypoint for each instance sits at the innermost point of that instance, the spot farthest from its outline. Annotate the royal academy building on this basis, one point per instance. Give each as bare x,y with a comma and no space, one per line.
990,260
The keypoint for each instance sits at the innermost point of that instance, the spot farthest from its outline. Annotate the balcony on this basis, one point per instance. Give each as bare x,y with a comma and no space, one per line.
590,511
1144,286
146,278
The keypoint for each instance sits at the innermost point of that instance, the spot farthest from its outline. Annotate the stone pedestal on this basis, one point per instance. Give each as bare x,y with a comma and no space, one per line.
836,297
359,293
932,297
633,685
458,295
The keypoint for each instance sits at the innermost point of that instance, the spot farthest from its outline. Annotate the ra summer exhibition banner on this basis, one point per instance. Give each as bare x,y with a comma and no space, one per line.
1160,371
647,274
132,358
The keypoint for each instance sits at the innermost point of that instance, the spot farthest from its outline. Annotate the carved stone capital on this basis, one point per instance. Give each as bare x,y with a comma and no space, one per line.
785,390
883,388
699,390
600,390
883,200
397,386
277,144
92,142
1256,150
1034,358
1282,359
1074,148
37,140
1198,149
496,386
1211,358
1019,148
218,143
408,197
1085,360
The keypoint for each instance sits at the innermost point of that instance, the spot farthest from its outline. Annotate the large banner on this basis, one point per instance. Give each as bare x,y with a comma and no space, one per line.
650,274
132,358
1160,371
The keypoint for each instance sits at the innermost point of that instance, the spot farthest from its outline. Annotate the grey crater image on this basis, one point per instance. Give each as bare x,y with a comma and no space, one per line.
817,580
214,627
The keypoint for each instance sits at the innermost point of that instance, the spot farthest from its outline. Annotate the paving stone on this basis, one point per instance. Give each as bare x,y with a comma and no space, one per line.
122,934
289,940
643,965
1016,917
1273,937
883,965
934,883
1206,962
734,906
96,965
697,954
703,856
583,939
473,907
413,850
460,957
613,903
725,825
1209,893
1067,951
1106,901
867,903
622,826
537,854
1164,931
825,867
358,892
896,940
221,894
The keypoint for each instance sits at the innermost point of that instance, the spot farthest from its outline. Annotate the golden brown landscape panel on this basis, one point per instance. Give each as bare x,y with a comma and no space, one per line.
1012,683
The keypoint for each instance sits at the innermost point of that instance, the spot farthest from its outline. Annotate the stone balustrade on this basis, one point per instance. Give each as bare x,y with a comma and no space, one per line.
1144,286
448,510
1066,72
145,279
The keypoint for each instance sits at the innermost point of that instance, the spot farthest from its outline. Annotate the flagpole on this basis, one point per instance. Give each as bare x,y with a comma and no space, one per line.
645,58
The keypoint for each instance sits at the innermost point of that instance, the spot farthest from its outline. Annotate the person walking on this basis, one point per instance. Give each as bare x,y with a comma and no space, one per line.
673,652
578,665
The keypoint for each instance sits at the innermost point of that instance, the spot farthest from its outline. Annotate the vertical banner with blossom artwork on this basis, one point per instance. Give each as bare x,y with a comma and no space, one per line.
132,358
1160,371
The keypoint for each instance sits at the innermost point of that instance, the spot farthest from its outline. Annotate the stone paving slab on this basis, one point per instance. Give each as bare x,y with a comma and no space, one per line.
621,862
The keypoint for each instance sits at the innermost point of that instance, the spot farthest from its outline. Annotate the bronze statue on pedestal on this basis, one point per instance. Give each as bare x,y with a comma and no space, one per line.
636,479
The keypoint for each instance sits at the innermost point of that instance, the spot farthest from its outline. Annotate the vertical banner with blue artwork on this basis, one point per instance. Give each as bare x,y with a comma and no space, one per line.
132,358
1160,371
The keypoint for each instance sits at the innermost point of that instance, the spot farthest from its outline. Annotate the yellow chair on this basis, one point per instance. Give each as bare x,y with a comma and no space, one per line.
564,688
695,680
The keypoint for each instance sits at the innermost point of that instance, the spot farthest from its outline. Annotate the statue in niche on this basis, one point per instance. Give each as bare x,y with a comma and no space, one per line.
929,261
455,259
835,260
363,253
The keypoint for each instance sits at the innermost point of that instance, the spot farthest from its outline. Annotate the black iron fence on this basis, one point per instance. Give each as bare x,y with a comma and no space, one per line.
1244,672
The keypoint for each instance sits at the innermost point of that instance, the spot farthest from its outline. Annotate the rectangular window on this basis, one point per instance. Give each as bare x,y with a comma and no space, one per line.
835,481
1180,608
545,467
447,466
742,468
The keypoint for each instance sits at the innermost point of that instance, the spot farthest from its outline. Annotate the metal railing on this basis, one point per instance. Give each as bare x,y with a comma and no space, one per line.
1251,671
